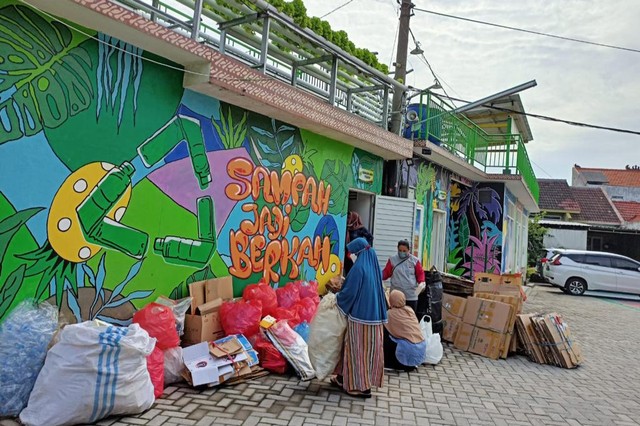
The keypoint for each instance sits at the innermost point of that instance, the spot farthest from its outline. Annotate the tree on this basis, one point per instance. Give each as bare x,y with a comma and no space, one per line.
536,238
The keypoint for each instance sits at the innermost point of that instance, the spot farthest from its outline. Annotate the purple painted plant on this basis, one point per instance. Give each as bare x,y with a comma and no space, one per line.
484,255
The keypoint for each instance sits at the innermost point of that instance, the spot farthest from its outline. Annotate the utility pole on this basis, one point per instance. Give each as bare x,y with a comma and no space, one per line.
393,169
401,64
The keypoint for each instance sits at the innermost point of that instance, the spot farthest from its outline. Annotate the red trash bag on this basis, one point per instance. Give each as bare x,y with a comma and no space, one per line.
288,296
158,320
155,366
241,317
270,358
306,309
264,293
308,289
289,315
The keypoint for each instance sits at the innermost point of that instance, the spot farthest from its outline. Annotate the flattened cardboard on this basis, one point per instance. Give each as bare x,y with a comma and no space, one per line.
201,366
222,350
450,327
487,314
479,341
516,305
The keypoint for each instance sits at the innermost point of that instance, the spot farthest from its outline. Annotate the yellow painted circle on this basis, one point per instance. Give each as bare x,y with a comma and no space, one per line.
293,164
63,227
323,277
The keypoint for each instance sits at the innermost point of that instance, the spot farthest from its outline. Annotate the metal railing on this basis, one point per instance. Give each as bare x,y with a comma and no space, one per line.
499,154
270,43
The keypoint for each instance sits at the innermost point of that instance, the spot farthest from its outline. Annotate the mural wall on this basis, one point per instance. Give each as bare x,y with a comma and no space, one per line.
117,186
474,232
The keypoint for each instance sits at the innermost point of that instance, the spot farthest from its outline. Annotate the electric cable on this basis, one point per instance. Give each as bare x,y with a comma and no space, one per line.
337,8
539,33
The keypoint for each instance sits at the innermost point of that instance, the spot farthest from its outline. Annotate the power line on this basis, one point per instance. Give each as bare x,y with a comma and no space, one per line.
337,8
610,46
541,169
553,119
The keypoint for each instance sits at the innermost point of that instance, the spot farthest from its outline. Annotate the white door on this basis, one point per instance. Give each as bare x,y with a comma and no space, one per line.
393,220
600,273
628,275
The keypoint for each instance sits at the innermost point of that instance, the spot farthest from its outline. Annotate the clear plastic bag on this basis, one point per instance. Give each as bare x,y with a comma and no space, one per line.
173,366
179,308
25,335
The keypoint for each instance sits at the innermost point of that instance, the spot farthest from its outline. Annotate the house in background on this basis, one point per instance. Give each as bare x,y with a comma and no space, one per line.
585,218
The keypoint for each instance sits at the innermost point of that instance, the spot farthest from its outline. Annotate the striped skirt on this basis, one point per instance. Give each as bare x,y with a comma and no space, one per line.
362,363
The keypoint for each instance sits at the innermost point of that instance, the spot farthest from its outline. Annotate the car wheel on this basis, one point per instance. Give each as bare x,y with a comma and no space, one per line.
576,286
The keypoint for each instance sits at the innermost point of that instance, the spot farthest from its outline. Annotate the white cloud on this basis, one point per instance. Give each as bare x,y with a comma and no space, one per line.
575,81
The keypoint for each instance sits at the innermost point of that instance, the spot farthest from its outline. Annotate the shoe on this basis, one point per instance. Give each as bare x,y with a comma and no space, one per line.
337,381
360,394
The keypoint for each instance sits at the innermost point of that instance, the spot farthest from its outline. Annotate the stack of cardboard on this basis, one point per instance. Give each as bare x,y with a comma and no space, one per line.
484,327
452,312
456,286
202,323
227,360
547,340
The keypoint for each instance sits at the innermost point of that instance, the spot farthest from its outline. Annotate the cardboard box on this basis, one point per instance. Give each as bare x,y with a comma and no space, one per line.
497,288
202,323
479,341
487,314
452,312
516,307
201,366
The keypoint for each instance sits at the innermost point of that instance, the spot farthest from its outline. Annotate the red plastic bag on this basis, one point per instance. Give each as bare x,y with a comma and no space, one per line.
159,321
155,366
288,296
264,293
270,358
308,289
289,315
306,309
241,317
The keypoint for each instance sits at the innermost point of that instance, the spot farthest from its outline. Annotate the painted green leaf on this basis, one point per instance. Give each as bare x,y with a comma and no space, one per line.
50,74
10,289
12,224
464,231
299,217
339,176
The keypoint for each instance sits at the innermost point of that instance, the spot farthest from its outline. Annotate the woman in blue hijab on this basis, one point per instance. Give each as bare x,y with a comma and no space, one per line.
363,302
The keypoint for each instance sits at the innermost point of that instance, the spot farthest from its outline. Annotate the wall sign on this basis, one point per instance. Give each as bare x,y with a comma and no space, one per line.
365,175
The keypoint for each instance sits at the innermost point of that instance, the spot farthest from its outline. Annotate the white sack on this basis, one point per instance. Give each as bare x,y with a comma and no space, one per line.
326,336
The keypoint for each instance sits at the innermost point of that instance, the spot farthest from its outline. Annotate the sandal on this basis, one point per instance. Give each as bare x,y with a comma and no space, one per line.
360,394
337,381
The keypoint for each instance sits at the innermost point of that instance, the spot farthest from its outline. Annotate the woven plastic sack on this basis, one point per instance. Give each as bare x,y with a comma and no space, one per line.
96,370
155,366
288,296
306,309
293,348
241,317
270,358
173,366
264,293
24,337
326,334
160,322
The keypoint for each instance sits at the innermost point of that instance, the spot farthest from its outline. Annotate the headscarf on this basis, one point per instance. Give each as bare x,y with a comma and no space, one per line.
362,298
353,222
403,323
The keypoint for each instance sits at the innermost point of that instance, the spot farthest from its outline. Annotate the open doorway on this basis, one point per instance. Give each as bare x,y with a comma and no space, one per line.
362,203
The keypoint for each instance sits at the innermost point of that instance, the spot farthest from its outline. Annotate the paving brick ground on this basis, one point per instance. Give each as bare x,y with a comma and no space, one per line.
464,389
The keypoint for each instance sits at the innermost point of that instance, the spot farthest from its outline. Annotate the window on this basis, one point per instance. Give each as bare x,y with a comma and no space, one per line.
579,258
591,259
438,237
625,264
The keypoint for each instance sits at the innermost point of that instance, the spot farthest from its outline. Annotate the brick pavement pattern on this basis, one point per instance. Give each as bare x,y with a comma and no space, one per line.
464,389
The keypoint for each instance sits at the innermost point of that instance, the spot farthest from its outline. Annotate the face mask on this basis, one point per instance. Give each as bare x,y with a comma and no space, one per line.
403,254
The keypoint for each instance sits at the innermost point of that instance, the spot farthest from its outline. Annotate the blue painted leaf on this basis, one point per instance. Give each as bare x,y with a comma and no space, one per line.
262,132
284,127
133,296
90,274
132,273
286,144
72,302
266,148
114,321
268,163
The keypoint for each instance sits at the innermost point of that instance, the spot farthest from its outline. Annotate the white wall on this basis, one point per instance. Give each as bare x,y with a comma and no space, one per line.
566,238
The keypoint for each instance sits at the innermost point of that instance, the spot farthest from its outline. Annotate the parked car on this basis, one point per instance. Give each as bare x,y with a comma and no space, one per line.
576,271
544,257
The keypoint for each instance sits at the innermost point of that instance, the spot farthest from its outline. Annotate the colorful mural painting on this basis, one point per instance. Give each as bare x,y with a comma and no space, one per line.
474,234
117,185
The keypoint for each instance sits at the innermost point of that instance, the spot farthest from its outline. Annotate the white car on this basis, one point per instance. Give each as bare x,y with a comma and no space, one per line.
576,271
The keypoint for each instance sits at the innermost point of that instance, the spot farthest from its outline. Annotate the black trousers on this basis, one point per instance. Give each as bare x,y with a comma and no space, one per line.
390,360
